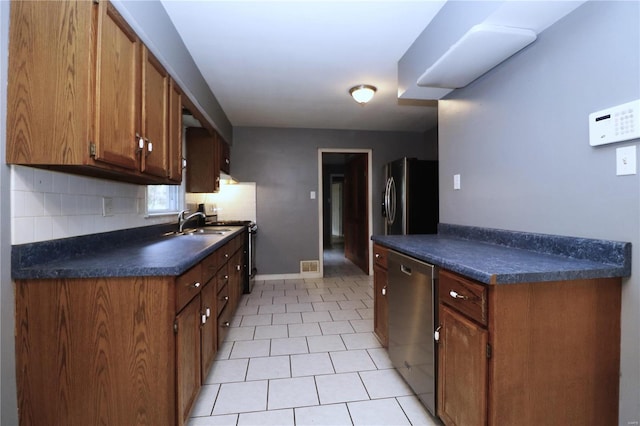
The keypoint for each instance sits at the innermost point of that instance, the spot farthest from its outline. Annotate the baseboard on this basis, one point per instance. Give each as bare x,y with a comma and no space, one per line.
270,277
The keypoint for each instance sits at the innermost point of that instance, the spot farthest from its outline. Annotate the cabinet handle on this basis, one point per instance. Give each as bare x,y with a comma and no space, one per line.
226,160
378,256
208,312
226,277
384,290
139,142
204,319
226,324
196,284
436,334
149,147
238,267
226,298
457,295
226,255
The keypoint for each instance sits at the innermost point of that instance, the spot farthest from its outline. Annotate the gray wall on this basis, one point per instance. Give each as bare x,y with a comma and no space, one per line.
519,138
8,396
284,164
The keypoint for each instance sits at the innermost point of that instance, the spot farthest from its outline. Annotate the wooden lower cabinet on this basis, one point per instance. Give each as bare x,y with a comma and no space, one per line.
545,353
380,302
96,351
118,351
188,362
462,370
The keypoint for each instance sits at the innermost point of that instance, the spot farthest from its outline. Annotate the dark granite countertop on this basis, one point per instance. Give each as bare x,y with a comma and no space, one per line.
496,256
117,254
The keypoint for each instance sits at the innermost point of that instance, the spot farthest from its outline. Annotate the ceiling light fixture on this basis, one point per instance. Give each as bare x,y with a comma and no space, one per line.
362,93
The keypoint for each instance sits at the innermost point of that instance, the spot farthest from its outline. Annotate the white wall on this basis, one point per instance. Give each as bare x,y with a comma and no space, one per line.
48,205
233,201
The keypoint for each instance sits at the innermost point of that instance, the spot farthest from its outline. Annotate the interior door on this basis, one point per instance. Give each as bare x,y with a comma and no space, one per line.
356,223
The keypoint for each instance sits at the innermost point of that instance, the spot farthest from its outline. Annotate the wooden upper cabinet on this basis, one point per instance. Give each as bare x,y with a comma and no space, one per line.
155,116
225,156
94,101
175,133
203,162
49,93
117,90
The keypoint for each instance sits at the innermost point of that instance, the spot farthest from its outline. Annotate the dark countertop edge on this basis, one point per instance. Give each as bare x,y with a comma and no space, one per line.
150,234
595,271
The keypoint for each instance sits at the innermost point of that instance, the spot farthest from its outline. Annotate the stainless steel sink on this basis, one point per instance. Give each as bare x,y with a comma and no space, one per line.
210,230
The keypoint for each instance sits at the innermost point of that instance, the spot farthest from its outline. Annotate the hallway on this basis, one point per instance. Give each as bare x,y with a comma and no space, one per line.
336,264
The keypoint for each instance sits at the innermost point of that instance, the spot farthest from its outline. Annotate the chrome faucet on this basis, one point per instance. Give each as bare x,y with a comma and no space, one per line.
182,220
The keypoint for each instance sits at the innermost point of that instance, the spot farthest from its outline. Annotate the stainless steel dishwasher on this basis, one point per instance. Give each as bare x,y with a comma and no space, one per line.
411,294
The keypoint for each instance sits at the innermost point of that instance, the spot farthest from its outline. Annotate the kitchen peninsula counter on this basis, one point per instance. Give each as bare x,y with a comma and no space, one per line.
135,252
494,256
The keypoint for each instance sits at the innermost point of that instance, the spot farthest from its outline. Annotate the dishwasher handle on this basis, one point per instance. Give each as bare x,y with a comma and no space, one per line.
405,269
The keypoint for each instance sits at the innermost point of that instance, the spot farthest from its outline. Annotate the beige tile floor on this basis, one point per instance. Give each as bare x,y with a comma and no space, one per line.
303,352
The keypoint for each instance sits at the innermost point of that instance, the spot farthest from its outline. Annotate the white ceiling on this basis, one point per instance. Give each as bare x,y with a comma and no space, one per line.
291,63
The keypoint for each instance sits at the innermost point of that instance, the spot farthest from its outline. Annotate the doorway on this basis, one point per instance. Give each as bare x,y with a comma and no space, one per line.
344,206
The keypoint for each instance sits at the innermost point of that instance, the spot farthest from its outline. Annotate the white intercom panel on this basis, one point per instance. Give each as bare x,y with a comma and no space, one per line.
615,124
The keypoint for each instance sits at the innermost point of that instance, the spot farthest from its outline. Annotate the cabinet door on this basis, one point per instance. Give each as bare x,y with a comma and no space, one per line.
49,93
462,370
155,116
225,156
188,358
380,305
175,132
117,90
209,330
203,168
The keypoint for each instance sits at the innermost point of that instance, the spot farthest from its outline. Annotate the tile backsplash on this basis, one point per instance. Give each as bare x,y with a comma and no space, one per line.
48,205
234,201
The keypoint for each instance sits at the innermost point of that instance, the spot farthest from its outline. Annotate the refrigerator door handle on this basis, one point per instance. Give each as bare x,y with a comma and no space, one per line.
391,200
386,200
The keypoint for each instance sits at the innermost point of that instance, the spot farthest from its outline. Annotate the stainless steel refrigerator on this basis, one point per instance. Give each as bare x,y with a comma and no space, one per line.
410,197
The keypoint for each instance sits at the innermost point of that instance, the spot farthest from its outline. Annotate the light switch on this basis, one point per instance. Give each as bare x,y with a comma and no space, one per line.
456,181
626,160
312,195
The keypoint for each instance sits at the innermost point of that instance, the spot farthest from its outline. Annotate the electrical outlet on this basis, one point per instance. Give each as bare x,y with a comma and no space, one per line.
107,206
626,160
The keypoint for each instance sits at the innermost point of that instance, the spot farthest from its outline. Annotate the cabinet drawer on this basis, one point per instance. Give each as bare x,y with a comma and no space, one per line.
224,323
380,255
223,298
222,277
210,265
464,295
187,286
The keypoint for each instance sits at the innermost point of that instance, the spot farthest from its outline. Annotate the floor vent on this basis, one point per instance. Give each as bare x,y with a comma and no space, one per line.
309,266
